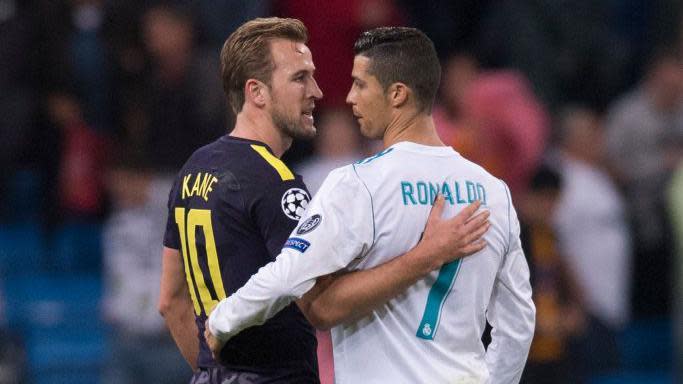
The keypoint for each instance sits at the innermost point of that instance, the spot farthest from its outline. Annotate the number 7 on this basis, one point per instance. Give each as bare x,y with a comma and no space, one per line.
436,298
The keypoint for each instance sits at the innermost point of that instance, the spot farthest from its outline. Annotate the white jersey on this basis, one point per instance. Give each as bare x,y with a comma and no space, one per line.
370,212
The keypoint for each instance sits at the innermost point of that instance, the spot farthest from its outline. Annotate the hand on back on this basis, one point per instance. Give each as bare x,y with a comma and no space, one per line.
445,240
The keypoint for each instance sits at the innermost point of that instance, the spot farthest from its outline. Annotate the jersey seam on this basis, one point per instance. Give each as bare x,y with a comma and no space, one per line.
372,204
274,162
509,198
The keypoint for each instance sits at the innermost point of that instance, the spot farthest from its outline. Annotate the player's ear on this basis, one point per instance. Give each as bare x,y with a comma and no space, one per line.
256,92
398,94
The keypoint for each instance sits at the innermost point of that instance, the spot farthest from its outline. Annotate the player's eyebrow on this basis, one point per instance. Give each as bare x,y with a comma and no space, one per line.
303,72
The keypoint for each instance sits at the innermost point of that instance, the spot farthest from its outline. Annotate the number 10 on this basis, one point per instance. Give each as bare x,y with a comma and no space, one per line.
199,218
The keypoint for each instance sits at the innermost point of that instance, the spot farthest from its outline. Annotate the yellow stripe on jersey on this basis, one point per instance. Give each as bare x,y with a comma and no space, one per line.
180,220
279,166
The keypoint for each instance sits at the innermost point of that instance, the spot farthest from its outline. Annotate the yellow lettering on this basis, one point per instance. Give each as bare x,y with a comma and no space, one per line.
186,187
188,227
195,187
205,184
180,220
209,188
202,218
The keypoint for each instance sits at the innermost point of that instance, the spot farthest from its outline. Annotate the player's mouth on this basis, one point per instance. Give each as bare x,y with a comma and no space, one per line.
308,115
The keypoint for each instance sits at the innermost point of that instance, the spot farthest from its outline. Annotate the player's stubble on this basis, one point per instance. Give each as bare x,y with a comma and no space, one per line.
291,126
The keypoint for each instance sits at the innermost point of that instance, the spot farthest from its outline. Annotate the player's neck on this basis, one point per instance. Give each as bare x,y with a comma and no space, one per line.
418,128
259,127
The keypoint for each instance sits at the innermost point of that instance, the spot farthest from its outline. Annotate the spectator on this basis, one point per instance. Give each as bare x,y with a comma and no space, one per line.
460,70
72,78
218,19
593,236
452,25
644,143
560,46
142,349
89,61
559,313
80,182
332,29
180,106
495,118
76,57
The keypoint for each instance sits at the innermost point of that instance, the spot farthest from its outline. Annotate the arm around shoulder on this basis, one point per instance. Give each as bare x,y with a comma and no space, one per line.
340,298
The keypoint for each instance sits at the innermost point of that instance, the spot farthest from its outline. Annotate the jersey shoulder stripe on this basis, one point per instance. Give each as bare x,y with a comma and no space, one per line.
280,167
378,155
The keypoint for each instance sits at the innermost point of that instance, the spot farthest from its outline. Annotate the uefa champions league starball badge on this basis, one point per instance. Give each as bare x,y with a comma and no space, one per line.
294,203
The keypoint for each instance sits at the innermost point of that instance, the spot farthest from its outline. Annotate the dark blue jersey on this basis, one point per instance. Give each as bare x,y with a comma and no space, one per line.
231,209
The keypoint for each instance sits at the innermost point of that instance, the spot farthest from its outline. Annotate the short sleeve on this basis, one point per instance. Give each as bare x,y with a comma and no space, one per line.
172,236
276,209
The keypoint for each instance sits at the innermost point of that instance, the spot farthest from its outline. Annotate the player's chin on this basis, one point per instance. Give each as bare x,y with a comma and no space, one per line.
306,130
368,132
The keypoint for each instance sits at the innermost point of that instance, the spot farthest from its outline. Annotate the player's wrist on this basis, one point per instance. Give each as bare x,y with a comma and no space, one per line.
424,259
213,324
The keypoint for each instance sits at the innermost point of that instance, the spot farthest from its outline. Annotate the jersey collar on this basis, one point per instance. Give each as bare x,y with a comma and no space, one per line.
246,141
424,149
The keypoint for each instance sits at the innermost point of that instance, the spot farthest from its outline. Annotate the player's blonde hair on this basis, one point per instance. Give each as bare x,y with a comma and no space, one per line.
246,54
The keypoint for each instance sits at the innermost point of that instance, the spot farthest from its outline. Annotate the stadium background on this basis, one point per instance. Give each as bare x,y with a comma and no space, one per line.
101,102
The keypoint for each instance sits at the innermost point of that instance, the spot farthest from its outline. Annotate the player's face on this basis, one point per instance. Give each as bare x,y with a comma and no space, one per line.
293,89
368,100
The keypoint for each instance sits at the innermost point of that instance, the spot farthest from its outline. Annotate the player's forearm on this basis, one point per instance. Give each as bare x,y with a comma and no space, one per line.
267,292
353,295
506,357
512,315
510,341
179,318
176,306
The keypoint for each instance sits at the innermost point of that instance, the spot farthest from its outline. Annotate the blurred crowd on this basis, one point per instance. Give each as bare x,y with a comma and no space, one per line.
576,105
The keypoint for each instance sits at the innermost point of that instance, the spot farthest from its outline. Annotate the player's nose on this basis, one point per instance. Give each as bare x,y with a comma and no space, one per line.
349,97
316,92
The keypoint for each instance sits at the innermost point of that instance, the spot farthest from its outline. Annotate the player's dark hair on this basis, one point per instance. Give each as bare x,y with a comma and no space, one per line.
246,54
402,55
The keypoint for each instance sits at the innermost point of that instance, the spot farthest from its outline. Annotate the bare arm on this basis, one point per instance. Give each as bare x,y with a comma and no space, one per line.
176,306
343,297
